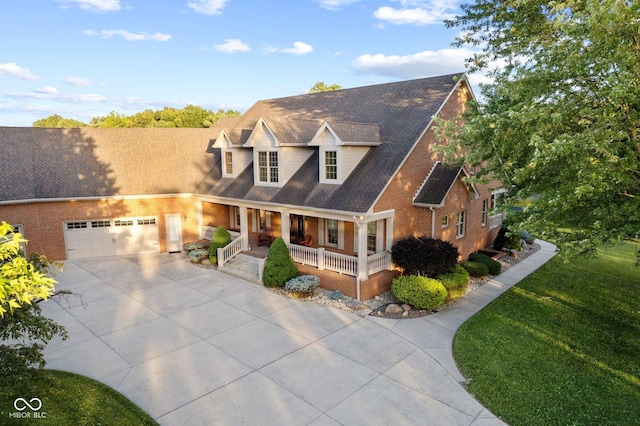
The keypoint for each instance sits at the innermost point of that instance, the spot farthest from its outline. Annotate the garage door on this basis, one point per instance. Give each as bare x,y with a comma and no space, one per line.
111,237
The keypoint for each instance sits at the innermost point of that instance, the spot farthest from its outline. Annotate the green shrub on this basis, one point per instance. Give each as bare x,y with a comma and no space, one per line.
424,256
507,239
476,269
419,292
456,282
494,266
279,267
220,238
526,236
302,284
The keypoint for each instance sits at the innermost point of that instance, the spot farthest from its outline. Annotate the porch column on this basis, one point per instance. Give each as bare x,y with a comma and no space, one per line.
244,228
389,234
284,226
362,251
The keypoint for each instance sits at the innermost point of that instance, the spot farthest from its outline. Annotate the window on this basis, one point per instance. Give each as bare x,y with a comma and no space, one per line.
460,224
228,163
235,217
148,221
268,166
444,221
122,222
332,232
485,209
372,228
76,225
101,224
331,165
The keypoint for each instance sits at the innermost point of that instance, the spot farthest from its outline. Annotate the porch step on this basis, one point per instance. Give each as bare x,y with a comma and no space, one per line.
243,266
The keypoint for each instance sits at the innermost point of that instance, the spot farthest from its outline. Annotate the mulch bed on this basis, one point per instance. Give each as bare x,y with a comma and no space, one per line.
507,261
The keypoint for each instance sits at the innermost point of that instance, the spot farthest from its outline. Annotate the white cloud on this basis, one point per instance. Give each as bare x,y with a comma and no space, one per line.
49,90
207,7
128,36
417,12
231,45
299,48
77,81
11,69
50,93
422,64
335,4
96,5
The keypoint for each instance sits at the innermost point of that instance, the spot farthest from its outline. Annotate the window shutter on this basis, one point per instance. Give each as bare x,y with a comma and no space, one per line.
341,235
321,231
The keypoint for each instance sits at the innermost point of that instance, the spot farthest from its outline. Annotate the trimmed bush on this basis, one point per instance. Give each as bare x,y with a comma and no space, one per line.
424,256
494,266
220,238
456,282
419,292
476,269
305,284
526,236
279,267
507,239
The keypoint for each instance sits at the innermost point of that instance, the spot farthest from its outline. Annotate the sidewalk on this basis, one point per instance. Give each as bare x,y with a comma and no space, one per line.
195,346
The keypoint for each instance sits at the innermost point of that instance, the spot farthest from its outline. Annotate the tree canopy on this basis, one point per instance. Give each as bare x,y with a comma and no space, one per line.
322,87
190,116
559,122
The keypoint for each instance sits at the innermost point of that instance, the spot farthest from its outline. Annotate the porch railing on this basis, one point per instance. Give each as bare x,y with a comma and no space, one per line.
340,263
304,255
227,252
378,262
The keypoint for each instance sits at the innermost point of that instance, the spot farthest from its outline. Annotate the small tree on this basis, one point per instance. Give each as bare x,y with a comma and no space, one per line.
23,330
220,238
279,267
424,256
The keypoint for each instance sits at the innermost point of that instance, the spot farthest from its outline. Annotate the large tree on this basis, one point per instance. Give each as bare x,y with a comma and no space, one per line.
559,122
322,87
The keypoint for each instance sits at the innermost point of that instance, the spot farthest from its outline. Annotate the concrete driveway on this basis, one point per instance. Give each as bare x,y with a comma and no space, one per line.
195,346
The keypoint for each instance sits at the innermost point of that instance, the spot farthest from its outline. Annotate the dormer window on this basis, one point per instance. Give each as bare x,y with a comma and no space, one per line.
331,165
268,166
228,163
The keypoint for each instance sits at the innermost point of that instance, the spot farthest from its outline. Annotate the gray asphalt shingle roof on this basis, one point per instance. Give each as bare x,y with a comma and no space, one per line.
437,185
399,112
42,163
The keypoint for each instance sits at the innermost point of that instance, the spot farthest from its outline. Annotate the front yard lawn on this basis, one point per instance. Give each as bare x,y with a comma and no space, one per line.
68,399
562,347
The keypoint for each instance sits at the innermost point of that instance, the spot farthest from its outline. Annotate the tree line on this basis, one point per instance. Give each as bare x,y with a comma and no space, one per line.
192,116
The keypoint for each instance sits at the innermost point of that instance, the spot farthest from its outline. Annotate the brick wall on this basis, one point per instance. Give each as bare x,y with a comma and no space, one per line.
43,227
417,221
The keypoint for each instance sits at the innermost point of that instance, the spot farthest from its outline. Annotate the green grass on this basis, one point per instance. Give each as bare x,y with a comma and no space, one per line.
70,399
562,347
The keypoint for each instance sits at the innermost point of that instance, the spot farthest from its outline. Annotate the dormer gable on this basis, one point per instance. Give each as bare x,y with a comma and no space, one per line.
342,146
233,159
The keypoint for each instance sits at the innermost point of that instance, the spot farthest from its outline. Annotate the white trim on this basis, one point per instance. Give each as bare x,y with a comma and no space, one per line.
97,198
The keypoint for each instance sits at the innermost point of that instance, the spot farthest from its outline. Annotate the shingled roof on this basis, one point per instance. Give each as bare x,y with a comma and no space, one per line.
395,114
437,185
39,163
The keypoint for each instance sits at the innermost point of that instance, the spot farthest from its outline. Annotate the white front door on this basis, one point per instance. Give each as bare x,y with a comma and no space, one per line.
174,232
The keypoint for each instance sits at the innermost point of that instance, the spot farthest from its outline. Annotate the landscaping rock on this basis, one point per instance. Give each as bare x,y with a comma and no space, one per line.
393,308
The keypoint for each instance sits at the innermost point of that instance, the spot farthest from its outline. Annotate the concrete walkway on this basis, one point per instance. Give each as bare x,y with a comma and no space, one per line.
195,346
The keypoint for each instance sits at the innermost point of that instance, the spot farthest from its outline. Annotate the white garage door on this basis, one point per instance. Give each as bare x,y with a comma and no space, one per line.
111,237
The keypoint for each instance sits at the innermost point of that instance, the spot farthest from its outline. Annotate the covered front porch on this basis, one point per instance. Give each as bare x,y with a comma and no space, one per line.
352,248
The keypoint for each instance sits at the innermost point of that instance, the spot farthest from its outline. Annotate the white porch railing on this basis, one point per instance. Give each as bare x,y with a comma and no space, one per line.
304,255
348,265
227,252
378,262
340,263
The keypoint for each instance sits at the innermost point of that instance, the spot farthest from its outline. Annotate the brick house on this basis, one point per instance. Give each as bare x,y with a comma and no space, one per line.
346,172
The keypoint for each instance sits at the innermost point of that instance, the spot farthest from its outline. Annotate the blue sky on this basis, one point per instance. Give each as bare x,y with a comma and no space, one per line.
84,58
